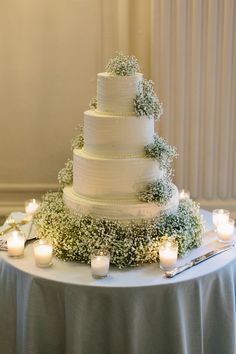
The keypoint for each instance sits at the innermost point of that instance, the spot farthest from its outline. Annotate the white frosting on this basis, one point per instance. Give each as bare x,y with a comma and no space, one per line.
109,178
111,168
123,210
116,136
116,94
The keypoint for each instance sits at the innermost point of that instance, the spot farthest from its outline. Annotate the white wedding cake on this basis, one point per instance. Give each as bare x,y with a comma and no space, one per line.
111,168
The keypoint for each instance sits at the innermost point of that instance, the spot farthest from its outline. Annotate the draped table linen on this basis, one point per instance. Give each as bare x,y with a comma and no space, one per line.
63,310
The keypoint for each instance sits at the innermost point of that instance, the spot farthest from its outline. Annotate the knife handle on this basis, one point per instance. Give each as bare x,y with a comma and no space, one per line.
177,270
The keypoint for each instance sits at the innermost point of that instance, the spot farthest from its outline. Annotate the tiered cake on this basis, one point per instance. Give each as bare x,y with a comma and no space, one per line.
117,193
111,168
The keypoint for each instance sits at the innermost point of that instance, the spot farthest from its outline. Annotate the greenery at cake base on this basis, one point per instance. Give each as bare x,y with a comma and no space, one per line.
75,237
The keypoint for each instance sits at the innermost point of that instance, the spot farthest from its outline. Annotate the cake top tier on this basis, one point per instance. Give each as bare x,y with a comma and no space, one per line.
122,90
116,94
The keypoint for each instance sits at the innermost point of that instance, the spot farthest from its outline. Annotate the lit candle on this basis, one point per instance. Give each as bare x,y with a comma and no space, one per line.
100,265
168,253
31,206
184,194
220,216
225,231
43,253
15,243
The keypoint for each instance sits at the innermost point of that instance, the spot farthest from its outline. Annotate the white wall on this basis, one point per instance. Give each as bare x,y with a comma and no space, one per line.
51,52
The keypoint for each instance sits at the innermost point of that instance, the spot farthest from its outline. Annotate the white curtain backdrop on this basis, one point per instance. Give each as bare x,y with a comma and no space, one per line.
51,52
194,66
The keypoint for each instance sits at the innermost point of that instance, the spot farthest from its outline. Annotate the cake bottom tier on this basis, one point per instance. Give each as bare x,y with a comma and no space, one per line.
121,210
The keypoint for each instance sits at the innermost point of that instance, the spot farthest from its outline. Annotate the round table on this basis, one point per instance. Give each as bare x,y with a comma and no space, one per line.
63,310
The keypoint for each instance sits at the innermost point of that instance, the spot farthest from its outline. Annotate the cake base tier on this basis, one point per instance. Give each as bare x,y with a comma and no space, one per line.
118,210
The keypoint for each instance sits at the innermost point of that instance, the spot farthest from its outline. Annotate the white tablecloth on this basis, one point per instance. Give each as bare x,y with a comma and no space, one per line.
62,309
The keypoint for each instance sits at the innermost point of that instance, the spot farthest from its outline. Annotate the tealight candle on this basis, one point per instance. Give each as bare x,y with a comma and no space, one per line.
100,265
43,253
168,253
225,231
31,206
184,194
15,243
220,216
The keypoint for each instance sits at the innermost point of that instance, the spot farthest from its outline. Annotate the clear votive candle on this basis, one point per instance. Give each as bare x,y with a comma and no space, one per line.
168,253
31,206
183,194
43,253
100,263
15,243
225,231
220,216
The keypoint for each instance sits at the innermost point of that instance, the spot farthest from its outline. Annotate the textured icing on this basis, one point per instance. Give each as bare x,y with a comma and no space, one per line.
120,209
109,178
116,94
116,136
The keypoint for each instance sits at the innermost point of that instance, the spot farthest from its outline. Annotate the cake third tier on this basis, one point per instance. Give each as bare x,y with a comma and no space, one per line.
112,178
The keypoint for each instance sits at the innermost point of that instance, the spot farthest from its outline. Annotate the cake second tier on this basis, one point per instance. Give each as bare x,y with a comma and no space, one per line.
112,178
116,136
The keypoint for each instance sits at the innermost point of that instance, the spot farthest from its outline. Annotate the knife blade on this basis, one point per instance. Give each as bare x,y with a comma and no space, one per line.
172,273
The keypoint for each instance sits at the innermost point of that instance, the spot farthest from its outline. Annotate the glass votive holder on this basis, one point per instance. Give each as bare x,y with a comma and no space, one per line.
31,206
183,194
15,243
225,231
168,253
43,253
219,216
100,263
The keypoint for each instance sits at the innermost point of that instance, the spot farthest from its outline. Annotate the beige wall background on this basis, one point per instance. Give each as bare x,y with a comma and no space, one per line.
50,53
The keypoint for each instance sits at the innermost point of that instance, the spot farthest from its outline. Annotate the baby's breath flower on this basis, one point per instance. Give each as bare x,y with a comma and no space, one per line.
75,237
161,151
123,65
159,191
65,175
78,141
93,103
146,102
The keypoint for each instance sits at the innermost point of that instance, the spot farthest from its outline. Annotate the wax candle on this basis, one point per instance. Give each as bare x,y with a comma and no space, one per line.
100,265
183,194
31,206
168,253
220,216
15,243
43,253
225,231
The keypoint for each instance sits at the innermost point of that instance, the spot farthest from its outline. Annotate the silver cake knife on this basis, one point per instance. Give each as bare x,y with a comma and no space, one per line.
172,273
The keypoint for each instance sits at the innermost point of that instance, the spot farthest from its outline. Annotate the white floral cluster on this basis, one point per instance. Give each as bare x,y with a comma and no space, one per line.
146,102
93,103
123,65
161,151
158,191
78,141
65,175
75,237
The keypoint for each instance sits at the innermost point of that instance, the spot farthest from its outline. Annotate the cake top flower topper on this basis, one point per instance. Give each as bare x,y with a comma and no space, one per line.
122,65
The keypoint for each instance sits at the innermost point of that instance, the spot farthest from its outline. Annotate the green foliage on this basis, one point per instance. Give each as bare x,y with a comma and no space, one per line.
161,151
122,65
75,237
146,102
